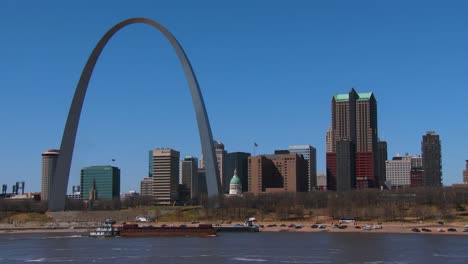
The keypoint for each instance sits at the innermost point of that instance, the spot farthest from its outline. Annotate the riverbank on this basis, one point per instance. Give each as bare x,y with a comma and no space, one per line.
383,228
389,228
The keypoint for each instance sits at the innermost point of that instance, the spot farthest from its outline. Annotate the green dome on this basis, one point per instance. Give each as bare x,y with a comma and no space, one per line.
235,180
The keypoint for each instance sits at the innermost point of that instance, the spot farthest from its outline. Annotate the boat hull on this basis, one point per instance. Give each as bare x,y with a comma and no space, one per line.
152,231
237,229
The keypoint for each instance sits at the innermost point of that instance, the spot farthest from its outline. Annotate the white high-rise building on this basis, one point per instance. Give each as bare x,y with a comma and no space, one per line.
310,154
398,170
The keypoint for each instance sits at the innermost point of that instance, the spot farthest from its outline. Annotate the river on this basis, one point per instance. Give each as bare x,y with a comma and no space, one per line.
263,247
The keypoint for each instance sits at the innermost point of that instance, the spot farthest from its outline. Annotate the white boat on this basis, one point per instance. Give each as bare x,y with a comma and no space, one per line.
106,230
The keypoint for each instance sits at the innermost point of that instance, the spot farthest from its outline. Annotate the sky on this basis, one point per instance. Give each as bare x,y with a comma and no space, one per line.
267,71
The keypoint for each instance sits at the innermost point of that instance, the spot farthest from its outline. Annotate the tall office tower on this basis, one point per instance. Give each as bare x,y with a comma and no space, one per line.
49,161
237,161
277,173
202,188
189,175
329,140
354,118
381,158
165,175
343,126
102,182
465,174
150,163
146,187
310,154
432,159
331,170
220,158
345,165
366,146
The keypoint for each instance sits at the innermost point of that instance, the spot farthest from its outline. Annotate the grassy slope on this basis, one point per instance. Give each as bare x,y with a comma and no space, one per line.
26,217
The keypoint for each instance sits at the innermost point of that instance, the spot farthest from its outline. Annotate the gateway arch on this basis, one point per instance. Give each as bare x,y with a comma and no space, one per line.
62,171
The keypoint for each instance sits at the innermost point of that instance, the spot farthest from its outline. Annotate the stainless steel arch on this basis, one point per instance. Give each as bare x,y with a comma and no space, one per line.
62,171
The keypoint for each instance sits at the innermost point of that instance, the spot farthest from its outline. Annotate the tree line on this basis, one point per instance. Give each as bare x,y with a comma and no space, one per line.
386,205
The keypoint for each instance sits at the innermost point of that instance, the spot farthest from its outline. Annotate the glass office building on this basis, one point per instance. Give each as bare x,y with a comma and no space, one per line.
105,179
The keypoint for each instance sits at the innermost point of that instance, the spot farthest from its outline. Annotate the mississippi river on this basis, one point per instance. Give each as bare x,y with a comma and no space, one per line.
266,247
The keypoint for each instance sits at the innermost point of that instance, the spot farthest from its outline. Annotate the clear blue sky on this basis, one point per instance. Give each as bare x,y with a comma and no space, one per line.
267,70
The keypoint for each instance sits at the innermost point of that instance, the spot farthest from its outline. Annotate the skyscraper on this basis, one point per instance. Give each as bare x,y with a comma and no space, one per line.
345,165
165,175
310,154
237,161
220,158
49,161
189,175
432,160
102,182
366,146
329,141
150,163
465,174
202,190
381,158
354,118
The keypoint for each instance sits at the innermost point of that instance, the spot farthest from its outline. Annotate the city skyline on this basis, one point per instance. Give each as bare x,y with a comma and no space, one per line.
251,75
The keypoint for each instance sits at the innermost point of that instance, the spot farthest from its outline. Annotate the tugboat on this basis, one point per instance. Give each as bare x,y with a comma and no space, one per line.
105,230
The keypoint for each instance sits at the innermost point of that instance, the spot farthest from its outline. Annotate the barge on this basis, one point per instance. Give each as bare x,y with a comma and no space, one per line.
248,226
134,230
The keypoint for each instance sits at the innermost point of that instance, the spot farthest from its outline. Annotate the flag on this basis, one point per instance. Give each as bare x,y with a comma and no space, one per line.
113,159
255,144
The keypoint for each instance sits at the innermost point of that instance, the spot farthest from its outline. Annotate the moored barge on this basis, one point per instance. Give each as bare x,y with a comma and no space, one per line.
134,230
248,226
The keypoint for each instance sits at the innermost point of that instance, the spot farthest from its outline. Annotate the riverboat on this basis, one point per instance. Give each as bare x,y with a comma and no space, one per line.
105,230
